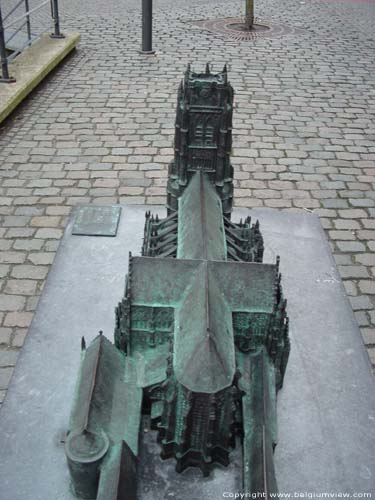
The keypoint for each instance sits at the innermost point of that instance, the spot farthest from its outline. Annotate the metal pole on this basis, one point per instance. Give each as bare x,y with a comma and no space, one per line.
28,26
147,27
55,14
249,20
3,55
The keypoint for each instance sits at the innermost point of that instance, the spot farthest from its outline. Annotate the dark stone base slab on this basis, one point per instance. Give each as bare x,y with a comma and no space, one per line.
326,410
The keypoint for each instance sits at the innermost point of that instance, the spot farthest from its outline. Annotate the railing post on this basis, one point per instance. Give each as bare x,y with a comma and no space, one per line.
56,20
147,27
3,55
28,26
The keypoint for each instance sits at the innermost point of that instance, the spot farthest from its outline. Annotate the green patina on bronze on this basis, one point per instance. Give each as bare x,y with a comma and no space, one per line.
201,338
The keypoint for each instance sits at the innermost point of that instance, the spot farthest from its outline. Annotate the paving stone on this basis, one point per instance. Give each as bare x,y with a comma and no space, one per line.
366,235
324,212
351,246
5,244
130,191
56,210
49,233
346,224
5,375
20,233
51,246
361,302
277,203
45,221
343,259
342,235
332,185
326,223
31,303
367,259
19,337
20,287
367,286
12,257
41,258
282,185
106,183
15,221
350,287
362,318
28,245
5,334
29,211
368,335
4,270
21,319
368,223
362,202
5,200
8,358
353,272
372,316
335,203
11,302
306,203
29,272
352,213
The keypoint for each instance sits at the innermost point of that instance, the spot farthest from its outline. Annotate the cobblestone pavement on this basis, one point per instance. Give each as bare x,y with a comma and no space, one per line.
100,130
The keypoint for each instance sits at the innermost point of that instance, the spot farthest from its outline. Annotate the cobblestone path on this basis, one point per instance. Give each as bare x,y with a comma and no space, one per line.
100,130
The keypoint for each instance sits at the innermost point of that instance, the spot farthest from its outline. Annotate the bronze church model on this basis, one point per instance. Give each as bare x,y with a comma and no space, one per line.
201,337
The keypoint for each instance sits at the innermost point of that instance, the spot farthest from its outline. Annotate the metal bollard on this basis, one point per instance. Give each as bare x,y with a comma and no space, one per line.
56,20
147,27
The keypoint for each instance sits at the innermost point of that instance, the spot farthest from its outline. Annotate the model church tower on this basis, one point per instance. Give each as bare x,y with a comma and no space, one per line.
203,137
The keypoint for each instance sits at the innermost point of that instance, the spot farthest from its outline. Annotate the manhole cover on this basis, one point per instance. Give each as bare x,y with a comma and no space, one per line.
234,28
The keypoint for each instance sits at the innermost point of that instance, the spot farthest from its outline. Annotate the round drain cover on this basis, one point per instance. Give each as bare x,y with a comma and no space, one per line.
234,27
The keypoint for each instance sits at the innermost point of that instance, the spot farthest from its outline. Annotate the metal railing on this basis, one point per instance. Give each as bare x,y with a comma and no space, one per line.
22,22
